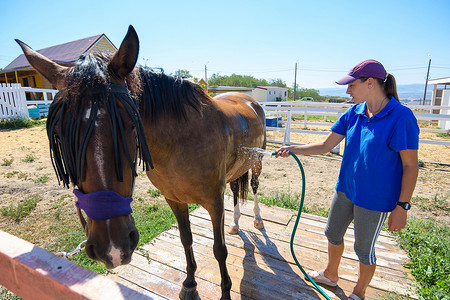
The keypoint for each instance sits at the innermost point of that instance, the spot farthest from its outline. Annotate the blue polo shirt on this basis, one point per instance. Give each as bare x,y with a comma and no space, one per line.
371,169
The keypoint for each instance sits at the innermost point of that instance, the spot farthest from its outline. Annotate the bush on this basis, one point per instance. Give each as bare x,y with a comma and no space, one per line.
20,123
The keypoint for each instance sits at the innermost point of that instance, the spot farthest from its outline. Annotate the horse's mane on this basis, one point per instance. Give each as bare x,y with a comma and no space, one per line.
164,94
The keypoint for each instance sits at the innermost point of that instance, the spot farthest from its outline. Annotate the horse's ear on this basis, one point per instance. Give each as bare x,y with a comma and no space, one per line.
125,58
47,68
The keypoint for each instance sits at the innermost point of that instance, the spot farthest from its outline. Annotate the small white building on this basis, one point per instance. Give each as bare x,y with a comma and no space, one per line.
441,97
270,93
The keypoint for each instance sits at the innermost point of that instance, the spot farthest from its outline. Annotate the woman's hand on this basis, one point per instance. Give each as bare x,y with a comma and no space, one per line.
397,219
283,151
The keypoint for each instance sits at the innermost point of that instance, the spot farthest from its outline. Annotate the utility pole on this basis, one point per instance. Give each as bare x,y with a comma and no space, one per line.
426,81
295,82
206,79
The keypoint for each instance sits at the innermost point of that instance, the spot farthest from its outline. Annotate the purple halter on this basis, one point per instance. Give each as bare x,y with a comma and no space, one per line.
103,205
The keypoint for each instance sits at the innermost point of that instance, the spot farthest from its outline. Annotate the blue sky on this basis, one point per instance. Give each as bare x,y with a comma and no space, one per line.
260,38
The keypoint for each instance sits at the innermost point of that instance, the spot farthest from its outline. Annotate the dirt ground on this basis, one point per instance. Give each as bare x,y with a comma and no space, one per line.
28,150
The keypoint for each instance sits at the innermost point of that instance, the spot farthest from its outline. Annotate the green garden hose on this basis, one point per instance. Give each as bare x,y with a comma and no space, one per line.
294,230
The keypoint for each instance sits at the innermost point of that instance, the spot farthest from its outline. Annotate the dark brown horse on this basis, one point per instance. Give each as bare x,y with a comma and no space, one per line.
109,112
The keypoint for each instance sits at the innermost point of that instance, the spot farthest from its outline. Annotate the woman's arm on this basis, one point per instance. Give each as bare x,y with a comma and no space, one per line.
397,219
312,149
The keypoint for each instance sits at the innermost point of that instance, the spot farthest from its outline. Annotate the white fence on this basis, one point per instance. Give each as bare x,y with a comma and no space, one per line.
14,103
286,110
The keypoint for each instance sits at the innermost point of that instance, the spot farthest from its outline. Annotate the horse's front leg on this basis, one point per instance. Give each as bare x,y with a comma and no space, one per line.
181,212
216,211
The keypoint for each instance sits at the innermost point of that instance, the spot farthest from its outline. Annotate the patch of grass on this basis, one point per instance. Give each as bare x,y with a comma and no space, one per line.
7,295
421,163
7,162
42,179
428,245
313,117
40,168
445,135
21,123
22,175
23,209
11,174
154,192
316,210
285,200
29,158
153,218
437,202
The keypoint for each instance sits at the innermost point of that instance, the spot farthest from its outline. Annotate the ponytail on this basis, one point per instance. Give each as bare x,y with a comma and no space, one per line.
389,86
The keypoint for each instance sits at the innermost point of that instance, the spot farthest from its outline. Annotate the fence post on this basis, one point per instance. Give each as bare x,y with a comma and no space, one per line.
305,126
337,149
287,132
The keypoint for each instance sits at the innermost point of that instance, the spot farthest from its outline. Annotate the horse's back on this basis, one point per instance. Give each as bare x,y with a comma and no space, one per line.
239,102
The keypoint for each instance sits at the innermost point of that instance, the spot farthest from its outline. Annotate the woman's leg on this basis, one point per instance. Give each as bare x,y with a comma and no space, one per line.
364,277
334,259
340,216
367,226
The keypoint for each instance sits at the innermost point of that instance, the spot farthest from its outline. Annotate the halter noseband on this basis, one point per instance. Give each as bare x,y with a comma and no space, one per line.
102,205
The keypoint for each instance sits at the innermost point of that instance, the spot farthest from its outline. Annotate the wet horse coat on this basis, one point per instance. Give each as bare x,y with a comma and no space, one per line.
197,145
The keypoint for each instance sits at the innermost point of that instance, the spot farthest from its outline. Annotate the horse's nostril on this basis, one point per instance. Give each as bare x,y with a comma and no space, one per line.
134,238
90,251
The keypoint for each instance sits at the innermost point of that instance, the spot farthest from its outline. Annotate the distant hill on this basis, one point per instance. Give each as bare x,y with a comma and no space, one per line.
405,91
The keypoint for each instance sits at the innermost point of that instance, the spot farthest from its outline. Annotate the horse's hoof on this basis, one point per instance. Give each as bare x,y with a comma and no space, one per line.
189,293
233,229
259,224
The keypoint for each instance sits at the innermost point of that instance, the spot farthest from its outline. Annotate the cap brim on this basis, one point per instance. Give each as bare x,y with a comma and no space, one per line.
346,80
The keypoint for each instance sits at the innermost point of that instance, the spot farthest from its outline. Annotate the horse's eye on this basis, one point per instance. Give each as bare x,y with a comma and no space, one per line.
132,128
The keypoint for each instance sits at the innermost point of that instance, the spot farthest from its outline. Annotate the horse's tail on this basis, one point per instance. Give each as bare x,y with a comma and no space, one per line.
243,186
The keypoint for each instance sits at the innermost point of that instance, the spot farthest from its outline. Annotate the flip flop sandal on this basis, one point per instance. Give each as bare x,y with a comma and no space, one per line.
318,277
354,297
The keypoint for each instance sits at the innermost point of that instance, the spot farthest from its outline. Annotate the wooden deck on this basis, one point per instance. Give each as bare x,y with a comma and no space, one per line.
260,262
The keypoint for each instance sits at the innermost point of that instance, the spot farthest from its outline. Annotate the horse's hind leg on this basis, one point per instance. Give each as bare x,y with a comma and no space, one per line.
256,171
181,212
234,226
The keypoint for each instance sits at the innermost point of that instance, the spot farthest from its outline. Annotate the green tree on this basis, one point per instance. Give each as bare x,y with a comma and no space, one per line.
183,74
304,92
242,81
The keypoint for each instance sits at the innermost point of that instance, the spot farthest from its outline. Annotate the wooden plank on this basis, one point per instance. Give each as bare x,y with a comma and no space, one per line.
246,281
174,276
33,273
278,257
315,256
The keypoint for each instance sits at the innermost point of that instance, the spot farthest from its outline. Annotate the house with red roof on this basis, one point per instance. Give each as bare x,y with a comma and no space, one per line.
20,71
270,93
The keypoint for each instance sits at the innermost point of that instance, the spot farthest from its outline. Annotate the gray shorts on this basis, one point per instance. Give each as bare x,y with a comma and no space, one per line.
367,226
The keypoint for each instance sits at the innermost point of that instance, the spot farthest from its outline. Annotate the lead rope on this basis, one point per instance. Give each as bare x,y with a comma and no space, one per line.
68,255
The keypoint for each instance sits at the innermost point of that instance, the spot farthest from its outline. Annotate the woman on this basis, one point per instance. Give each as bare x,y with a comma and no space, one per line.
378,172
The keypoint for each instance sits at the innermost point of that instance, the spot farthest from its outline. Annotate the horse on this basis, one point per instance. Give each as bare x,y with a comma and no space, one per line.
111,117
